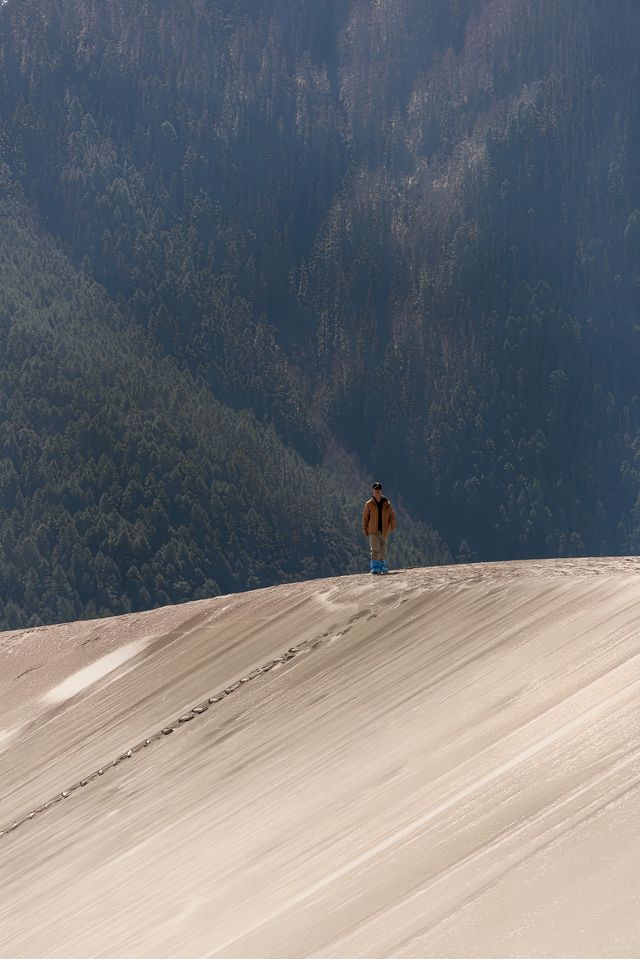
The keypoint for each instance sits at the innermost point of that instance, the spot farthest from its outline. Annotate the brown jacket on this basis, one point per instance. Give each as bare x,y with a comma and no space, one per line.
370,517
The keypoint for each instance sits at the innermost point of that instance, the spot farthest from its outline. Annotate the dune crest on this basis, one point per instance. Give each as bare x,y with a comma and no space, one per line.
441,763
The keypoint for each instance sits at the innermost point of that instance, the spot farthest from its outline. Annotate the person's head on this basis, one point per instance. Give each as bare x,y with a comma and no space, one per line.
376,489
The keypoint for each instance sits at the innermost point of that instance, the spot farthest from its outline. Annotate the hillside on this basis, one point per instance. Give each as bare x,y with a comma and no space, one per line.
123,482
443,764
398,239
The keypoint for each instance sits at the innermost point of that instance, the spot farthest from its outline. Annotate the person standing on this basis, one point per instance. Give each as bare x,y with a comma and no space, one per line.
378,521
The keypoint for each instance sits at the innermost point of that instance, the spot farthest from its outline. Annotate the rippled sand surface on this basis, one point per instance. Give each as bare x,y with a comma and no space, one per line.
438,764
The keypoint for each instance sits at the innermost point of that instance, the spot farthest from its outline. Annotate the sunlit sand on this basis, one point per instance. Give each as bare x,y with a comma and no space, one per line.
439,764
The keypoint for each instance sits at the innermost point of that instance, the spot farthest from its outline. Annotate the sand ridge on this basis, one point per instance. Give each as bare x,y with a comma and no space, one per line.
442,763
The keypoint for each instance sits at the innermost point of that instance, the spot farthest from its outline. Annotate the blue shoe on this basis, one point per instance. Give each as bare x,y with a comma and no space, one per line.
383,567
375,567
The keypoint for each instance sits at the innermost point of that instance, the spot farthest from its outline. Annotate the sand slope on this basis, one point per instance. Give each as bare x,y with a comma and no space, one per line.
440,764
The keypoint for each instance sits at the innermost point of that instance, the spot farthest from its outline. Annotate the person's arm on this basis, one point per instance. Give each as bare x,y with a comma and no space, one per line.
365,519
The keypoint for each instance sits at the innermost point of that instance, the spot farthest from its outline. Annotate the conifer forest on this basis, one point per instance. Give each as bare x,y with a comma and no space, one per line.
255,254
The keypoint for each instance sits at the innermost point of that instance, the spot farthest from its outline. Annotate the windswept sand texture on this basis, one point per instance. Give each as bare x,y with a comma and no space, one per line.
446,765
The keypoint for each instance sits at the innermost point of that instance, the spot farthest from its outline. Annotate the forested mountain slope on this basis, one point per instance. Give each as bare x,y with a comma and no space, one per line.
409,226
124,484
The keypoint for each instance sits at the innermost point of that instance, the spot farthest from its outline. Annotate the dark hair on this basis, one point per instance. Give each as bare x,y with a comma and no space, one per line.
376,486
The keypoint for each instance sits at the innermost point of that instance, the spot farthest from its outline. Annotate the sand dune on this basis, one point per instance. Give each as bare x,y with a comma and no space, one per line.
440,764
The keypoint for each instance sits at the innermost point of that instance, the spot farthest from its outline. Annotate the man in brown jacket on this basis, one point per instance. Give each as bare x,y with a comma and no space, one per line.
378,520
